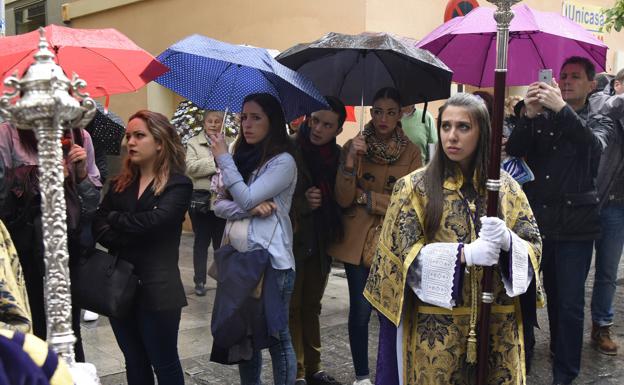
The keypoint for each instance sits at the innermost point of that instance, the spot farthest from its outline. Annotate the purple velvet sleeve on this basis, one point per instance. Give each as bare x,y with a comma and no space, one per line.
504,262
458,277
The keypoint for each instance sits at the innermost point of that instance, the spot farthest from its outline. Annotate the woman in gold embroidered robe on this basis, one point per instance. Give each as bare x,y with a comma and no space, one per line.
426,275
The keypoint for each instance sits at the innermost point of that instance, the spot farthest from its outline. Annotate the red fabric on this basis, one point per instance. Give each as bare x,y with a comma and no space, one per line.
107,60
350,114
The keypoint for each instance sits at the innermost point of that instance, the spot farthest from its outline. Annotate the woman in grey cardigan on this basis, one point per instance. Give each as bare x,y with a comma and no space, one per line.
200,167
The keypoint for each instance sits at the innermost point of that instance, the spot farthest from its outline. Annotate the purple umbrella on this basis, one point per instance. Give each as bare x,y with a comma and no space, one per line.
537,40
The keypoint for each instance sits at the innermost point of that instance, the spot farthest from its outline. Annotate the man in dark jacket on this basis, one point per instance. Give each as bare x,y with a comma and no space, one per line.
316,222
563,140
610,102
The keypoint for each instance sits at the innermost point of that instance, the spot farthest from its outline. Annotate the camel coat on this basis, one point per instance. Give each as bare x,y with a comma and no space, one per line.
376,179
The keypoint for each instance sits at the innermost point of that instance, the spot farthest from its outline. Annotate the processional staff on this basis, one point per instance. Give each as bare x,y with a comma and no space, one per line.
503,17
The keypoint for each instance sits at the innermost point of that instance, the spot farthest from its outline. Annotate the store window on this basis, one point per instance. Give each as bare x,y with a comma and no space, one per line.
30,17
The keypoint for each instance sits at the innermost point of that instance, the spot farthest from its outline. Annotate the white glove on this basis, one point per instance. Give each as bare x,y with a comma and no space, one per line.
495,230
481,253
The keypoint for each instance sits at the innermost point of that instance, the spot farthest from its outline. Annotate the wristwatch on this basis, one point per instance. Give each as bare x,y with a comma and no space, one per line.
362,198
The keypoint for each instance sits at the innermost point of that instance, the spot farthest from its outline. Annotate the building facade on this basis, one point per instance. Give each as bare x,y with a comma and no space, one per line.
277,24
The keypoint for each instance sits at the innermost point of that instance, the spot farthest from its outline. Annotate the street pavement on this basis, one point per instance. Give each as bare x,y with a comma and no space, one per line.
195,340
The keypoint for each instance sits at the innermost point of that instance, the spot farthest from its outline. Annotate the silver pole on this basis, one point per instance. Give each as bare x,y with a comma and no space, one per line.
45,104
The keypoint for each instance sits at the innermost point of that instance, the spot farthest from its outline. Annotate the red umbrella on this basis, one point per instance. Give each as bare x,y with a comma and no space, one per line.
107,60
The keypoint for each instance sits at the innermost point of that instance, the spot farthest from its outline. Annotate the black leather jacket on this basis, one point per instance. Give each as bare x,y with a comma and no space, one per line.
611,170
563,149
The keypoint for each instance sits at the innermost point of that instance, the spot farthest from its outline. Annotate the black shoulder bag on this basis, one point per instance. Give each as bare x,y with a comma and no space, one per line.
105,283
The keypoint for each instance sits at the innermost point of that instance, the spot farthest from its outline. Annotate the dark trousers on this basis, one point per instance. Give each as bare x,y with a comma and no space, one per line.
148,340
207,227
305,312
565,265
359,316
34,287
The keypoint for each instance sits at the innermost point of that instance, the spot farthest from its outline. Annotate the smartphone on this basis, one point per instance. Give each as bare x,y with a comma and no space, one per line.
545,75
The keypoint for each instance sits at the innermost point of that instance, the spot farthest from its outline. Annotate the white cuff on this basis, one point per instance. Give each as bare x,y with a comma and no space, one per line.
521,269
431,276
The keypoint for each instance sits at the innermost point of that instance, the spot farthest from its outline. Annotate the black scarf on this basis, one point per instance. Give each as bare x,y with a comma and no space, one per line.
247,160
322,162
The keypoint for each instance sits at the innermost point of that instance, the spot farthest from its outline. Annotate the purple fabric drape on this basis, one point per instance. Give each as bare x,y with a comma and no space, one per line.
387,368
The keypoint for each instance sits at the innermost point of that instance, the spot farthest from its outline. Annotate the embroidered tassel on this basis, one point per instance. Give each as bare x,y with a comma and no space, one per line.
471,349
471,354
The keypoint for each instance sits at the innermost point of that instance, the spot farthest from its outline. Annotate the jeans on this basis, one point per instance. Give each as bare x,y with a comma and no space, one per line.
565,265
608,253
282,353
149,339
359,316
207,227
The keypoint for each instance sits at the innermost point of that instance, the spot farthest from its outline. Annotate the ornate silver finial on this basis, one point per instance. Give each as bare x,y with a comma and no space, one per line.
42,101
503,16
44,54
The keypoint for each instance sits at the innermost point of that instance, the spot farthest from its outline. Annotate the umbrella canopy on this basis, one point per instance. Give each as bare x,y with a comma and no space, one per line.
218,76
107,130
354,66
107,60
537,40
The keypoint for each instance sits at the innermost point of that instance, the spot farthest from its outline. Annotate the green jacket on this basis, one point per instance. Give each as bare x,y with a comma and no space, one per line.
307,241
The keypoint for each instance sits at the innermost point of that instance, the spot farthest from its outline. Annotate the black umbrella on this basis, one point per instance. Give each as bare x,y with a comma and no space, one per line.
107,131
354,67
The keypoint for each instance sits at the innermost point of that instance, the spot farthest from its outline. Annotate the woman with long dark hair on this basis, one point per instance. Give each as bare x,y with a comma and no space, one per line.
140,220
370,164
435,241
260,180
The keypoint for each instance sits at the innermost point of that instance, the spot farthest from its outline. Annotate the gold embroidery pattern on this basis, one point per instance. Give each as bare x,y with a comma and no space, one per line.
435,344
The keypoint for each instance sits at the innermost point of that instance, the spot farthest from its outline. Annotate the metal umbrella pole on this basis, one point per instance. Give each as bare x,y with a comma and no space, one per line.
45,104
503,17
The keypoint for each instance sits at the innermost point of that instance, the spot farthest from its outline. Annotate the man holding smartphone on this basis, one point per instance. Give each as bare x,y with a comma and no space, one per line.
563,140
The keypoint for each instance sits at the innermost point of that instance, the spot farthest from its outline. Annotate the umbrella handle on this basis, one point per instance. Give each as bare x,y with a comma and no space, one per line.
358,167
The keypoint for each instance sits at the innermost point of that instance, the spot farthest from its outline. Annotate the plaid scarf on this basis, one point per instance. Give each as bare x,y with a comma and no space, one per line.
378,150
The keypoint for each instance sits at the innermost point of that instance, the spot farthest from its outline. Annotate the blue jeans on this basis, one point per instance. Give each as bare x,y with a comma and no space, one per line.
608,253
282,353
565,265
149,339
359,316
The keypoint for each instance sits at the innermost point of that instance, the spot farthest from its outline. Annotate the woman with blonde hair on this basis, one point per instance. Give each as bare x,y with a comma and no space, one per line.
201,167
140,220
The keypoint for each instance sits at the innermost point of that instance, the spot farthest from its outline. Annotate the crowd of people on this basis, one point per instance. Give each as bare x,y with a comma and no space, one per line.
402,205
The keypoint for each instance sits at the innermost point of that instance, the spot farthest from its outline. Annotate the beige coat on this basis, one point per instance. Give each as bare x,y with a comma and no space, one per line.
200,164
358,219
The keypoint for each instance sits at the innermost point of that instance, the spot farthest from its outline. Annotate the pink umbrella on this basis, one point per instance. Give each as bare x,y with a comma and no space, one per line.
537,40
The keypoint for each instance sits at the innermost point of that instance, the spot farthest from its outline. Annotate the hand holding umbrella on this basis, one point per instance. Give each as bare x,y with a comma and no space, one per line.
357,149
217,144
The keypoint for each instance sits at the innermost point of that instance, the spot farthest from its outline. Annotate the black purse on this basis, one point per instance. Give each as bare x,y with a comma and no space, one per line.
200,201
105,284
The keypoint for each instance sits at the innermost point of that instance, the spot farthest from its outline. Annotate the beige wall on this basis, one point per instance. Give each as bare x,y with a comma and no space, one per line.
156,24
278,24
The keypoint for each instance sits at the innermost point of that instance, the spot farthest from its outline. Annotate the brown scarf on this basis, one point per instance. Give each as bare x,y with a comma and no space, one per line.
379,151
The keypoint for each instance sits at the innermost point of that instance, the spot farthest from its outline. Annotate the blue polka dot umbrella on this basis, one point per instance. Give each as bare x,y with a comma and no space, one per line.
216,75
